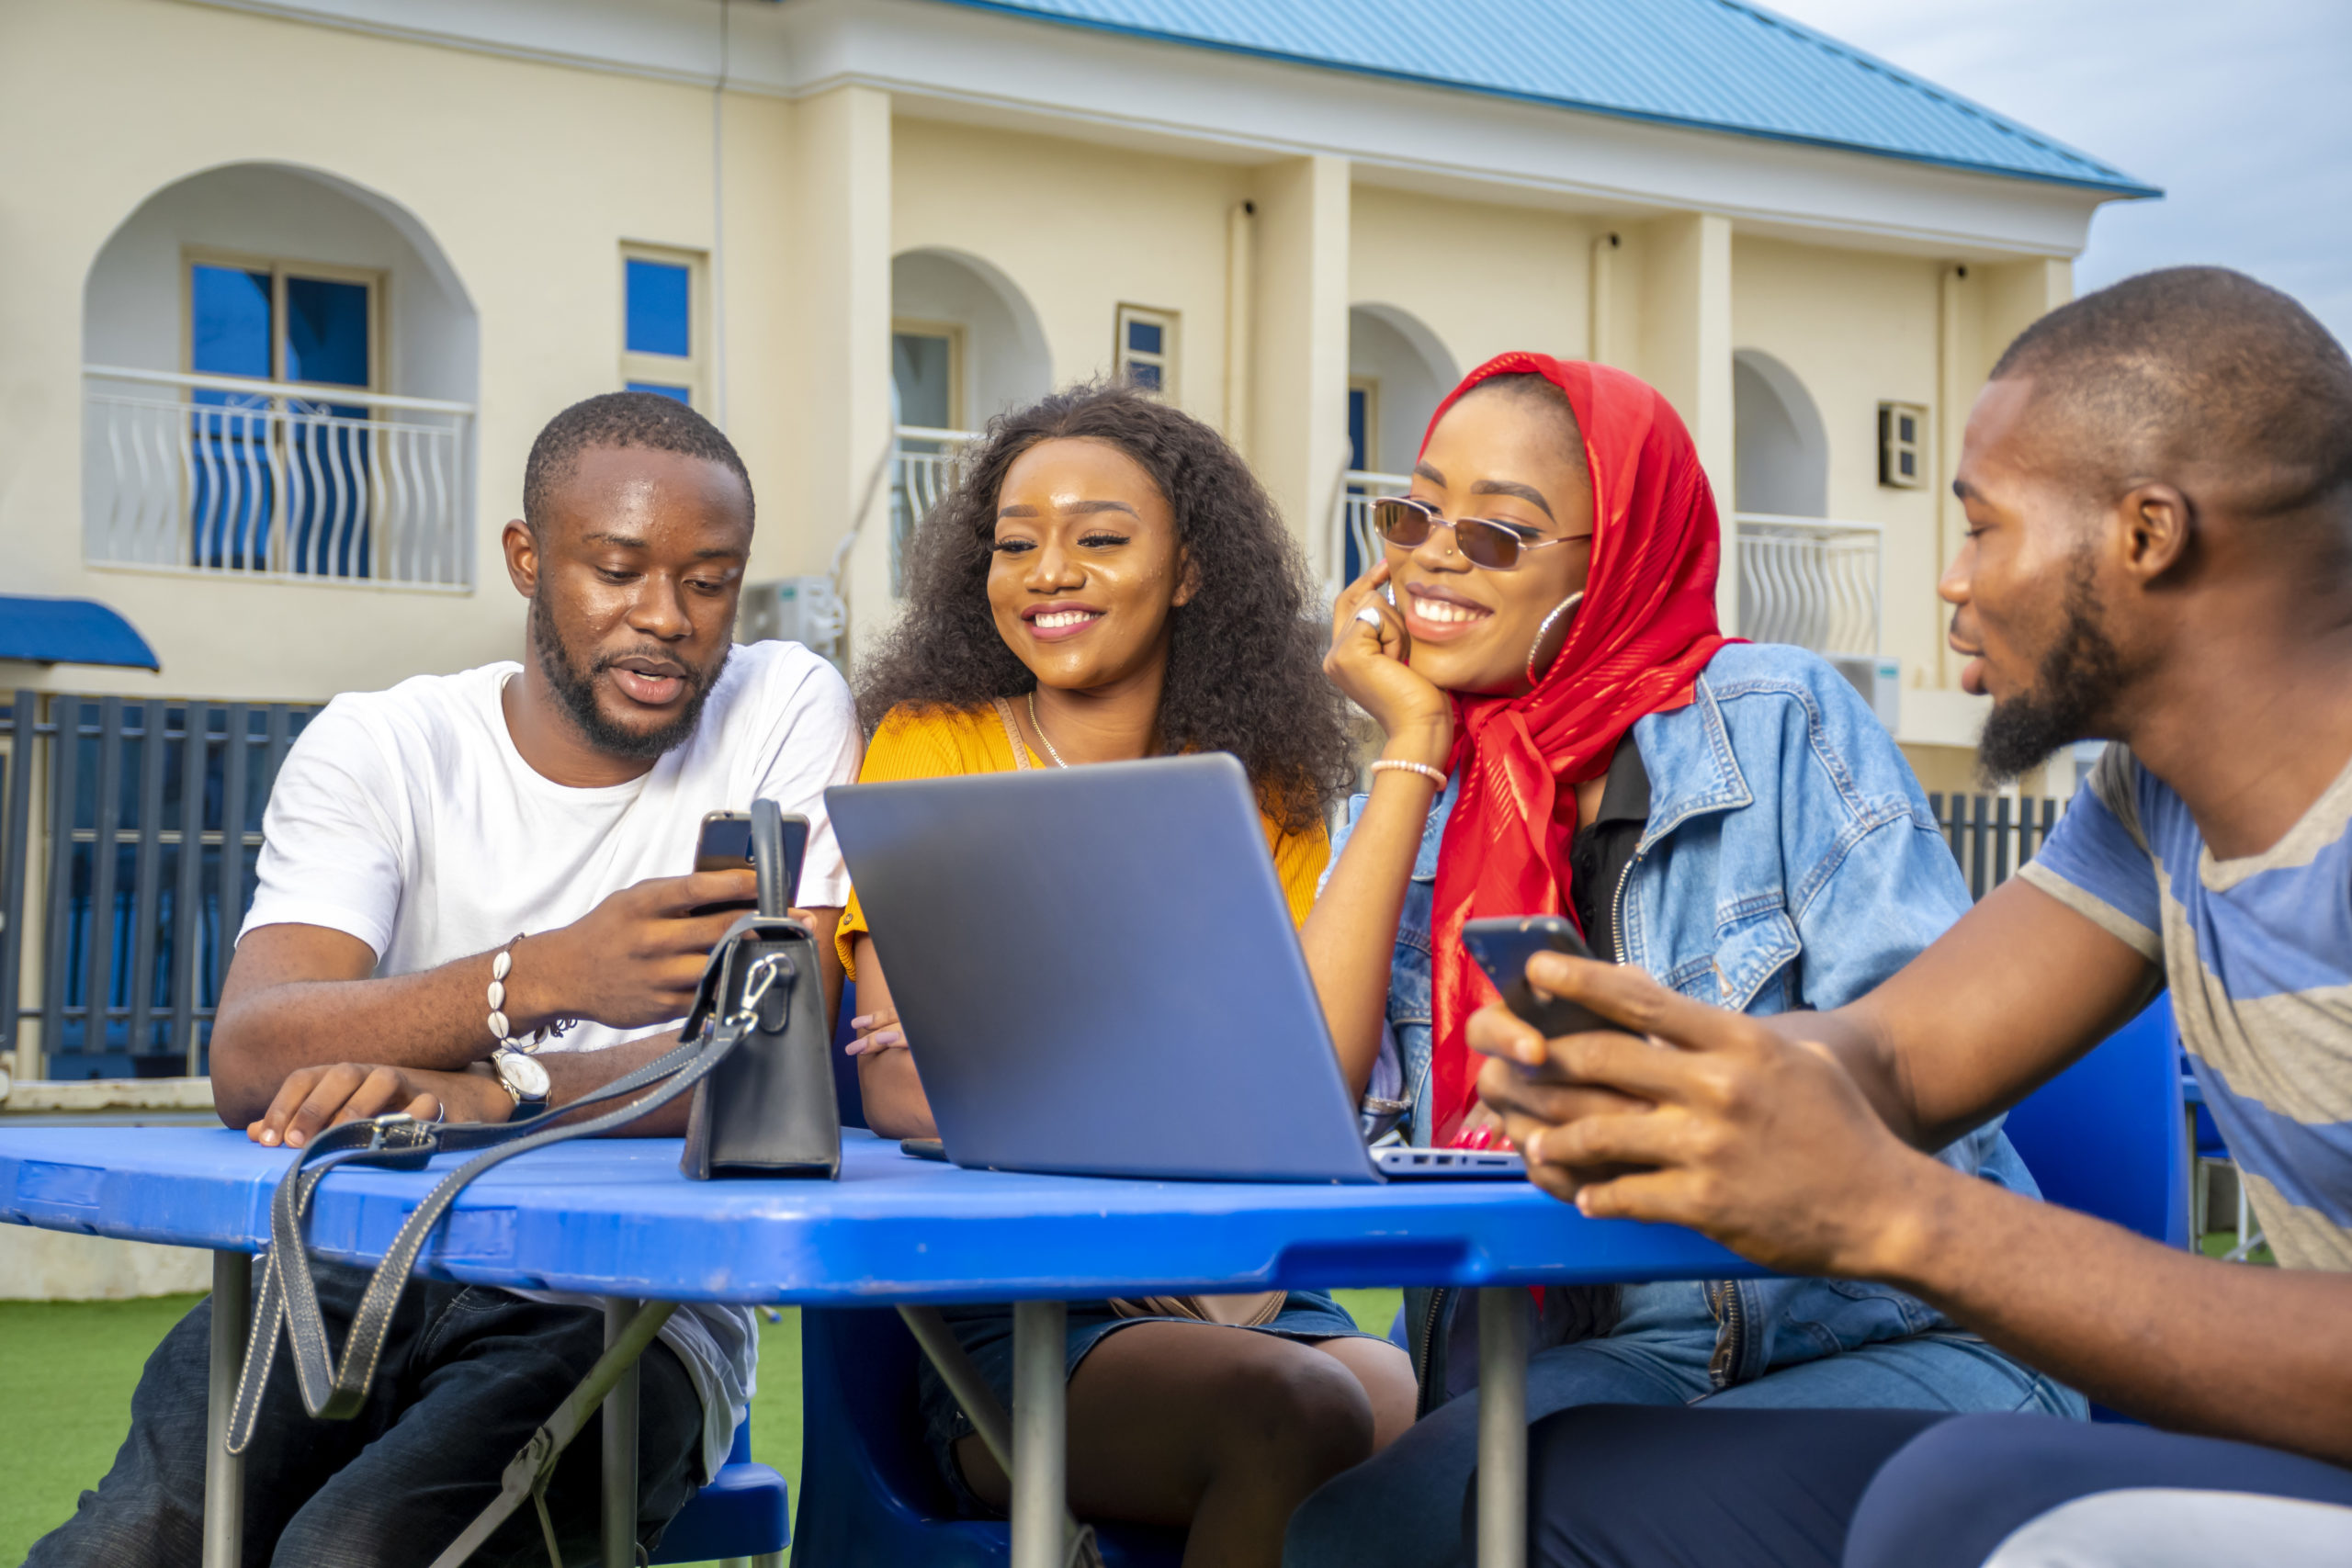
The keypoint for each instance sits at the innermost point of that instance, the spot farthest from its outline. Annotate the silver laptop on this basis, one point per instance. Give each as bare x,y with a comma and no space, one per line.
1098,977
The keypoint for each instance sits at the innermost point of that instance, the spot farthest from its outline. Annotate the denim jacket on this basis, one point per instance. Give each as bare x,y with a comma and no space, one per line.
1789,862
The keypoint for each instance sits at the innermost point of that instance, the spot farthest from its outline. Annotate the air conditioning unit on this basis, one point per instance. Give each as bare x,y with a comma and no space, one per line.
1879,677
793,609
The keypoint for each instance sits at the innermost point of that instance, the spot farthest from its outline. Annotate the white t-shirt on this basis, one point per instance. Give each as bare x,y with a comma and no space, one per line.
408,819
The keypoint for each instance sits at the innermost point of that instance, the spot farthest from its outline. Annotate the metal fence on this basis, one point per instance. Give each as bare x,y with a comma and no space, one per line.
222,474
1353,545
922,469
1817,584
1992,835
129,832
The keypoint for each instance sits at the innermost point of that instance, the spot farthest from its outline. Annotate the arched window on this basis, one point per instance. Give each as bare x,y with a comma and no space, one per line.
1781,452
278,372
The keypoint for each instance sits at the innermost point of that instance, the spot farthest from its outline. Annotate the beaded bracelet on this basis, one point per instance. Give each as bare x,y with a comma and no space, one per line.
1399,765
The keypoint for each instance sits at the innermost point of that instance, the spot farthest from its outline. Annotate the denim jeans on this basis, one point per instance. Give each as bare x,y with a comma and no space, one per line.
1615,1487
467,1374
1403,1507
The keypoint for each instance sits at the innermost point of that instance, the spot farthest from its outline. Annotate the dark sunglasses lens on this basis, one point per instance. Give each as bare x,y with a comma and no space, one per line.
1399,522
1487,544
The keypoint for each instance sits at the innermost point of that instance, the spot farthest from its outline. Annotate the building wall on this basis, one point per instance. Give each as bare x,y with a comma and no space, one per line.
1857,328
1079,230
527,177
514,183
1482,276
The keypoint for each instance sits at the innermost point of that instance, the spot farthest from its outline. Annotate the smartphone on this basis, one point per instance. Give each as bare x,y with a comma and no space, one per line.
725,844
1502,947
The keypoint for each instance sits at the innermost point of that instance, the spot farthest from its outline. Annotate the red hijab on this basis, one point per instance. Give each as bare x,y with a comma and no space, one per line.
1644,631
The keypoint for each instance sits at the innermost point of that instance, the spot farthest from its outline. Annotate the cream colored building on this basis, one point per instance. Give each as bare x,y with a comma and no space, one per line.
876,217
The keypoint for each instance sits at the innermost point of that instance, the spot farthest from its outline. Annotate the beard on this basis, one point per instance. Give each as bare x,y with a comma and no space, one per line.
2081,677
576,687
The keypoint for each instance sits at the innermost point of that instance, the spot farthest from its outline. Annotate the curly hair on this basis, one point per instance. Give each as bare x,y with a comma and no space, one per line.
1244,660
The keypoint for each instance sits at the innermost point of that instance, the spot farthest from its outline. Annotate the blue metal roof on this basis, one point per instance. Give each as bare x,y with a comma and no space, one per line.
68,631
1721,66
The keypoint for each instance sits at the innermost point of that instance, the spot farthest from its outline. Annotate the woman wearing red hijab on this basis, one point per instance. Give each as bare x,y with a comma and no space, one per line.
1569,732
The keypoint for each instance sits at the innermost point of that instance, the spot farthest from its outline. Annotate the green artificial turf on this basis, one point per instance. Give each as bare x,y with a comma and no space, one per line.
67,1370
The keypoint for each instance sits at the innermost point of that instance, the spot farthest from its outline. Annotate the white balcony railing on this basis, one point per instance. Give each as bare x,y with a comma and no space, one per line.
1353,546
1813,583
222,474
922,469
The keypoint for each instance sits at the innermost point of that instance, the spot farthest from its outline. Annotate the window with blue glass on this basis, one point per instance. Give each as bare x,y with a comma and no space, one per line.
282,472
662,331
660,316
1145,349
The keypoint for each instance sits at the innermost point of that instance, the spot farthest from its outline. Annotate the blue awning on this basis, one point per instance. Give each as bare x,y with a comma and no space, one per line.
70,631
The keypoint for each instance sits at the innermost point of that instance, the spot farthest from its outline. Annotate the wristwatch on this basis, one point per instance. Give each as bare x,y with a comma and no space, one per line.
522,1075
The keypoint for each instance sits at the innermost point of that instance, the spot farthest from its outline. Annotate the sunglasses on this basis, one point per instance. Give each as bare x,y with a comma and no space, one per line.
1407,522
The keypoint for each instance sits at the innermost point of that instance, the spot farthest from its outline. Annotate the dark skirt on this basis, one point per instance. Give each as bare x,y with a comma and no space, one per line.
986,1334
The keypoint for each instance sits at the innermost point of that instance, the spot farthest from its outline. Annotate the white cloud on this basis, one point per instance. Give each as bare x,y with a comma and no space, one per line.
2242,112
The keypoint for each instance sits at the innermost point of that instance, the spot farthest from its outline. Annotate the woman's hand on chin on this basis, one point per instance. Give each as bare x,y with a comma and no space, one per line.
1368,663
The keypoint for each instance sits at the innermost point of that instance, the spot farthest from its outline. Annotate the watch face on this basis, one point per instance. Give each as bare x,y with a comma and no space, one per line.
523,1073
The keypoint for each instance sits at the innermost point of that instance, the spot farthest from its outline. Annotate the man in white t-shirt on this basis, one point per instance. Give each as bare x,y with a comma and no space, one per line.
548,812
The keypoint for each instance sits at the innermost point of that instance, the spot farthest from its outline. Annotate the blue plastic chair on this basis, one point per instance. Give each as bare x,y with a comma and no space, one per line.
745,1512
848,1099
2105,1136
870,1495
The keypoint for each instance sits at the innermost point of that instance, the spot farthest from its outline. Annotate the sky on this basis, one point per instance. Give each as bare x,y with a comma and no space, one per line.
2240,109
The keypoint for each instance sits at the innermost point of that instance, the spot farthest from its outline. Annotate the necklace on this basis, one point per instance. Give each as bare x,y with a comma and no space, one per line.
1040,729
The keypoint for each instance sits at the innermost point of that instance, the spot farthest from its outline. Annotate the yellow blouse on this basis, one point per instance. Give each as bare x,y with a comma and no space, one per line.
944,743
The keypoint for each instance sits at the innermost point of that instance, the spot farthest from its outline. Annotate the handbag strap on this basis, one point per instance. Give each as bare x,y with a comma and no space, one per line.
336,1389
767,857
1022,757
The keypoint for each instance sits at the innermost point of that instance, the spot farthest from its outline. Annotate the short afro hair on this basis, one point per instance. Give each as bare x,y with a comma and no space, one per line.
646,420
2196,365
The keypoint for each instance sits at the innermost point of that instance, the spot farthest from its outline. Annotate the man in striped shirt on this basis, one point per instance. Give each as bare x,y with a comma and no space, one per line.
2158,487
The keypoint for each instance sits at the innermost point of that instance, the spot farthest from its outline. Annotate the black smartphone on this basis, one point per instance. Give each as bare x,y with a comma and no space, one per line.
1502,947
725,844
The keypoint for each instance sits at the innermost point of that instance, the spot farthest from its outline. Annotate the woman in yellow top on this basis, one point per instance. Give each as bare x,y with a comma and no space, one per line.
1107,583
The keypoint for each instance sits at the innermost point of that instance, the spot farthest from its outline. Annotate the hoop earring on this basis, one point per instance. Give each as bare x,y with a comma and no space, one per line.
1566,607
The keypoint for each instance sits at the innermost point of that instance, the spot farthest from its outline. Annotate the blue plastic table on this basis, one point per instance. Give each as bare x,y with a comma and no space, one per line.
614,1218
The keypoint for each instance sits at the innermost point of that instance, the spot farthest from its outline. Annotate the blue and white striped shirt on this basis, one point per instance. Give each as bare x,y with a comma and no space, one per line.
2258,955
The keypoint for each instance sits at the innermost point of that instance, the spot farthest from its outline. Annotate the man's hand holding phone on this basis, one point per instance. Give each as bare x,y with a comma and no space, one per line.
1510,951
637,958
633,959
1724,1123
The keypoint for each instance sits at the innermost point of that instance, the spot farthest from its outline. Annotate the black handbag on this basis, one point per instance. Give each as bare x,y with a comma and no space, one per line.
767,1109
757,1030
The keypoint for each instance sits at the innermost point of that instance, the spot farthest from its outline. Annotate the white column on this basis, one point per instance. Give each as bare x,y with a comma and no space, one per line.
839,288
1240,319
1299,402
1685,352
